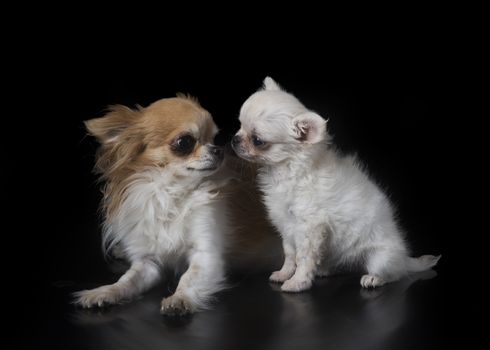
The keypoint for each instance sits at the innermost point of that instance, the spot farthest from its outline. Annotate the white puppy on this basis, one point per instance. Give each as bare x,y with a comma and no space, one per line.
327,210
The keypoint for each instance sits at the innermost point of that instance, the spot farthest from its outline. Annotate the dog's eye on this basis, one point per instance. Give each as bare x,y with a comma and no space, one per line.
257,141
184,144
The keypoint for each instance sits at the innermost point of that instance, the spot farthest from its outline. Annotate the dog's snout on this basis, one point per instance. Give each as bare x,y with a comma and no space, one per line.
216,151
236,140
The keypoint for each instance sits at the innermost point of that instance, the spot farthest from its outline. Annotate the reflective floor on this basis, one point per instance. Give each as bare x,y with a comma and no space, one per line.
254,314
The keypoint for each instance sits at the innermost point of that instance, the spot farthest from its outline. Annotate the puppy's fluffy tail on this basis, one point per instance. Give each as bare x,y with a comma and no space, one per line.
422,263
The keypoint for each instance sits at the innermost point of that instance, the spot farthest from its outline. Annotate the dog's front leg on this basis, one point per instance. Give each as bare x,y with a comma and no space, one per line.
203,278
289,266
142,275
205,274
309,245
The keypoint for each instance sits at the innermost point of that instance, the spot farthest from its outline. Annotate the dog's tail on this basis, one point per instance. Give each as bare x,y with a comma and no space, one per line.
422,263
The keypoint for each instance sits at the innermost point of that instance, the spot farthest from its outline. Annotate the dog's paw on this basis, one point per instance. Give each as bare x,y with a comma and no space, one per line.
371,281
98,297
295,285
280,276
177,305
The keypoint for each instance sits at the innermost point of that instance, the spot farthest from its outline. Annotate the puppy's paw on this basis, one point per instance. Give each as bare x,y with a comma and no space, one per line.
371,281
177,305
295,285
98,297
280,276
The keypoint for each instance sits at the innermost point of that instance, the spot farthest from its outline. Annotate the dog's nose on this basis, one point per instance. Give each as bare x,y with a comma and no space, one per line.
216,151
236,140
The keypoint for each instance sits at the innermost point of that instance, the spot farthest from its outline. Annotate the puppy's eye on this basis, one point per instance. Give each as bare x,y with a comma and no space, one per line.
184,144
257,141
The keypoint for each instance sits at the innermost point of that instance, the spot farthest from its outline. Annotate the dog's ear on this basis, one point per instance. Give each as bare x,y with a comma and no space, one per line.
309,127
108,128
270,85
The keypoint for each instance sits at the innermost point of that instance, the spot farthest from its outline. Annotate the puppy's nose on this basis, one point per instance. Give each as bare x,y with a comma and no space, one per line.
236,140
216,151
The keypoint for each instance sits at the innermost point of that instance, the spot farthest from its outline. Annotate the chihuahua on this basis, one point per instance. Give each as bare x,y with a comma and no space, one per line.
328,211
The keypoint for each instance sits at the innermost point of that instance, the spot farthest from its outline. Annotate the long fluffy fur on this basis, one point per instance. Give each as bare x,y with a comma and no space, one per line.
157,211
327,210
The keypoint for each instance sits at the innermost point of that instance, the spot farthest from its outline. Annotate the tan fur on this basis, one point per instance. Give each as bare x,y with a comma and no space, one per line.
134,139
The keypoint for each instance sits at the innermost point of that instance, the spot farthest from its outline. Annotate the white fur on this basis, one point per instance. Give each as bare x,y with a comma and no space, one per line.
327,210
162,221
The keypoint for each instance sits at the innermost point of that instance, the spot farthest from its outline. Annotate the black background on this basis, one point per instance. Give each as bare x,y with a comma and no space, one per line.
386,99
388,111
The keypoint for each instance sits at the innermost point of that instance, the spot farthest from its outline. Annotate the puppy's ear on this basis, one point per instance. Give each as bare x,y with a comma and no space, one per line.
270,85
108,128
309,127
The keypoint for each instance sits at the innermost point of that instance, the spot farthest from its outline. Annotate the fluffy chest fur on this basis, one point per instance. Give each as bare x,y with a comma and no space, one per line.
157,216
